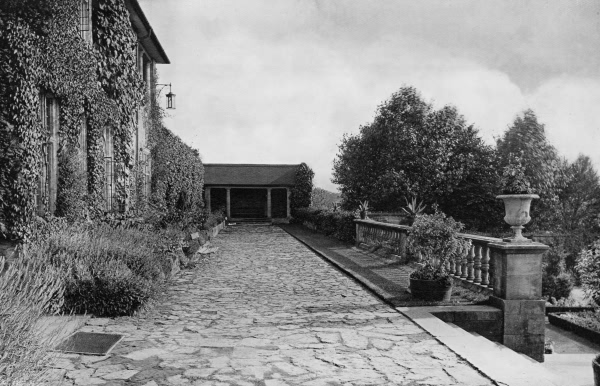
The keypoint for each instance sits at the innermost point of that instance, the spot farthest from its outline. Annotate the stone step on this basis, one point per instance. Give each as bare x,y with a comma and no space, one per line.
496,361
573,369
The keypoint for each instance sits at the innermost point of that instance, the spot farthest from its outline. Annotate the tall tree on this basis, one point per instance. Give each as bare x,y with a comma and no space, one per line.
526,141
579,207
302,190
411,149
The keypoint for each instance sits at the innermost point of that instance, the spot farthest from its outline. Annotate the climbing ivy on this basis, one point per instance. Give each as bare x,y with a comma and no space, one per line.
177,169
41,51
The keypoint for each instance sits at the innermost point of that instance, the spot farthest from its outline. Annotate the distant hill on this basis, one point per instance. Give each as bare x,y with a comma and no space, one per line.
324,199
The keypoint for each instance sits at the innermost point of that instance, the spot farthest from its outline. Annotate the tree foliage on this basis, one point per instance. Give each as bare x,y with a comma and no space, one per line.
525,142
411,149
302,190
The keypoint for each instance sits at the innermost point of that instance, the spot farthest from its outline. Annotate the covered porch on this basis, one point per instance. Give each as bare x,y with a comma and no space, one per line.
249,202
250,191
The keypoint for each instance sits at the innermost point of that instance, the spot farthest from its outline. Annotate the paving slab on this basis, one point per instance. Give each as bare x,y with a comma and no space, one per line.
265,310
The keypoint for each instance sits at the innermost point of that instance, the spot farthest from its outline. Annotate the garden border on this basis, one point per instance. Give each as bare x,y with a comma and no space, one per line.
584,332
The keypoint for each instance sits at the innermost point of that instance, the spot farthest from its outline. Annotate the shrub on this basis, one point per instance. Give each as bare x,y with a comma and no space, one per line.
435,238
213,219
557,286
556,282
338,224
109,272
29,288
587,267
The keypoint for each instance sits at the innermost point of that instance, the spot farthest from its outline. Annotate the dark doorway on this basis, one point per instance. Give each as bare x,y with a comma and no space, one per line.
279,203
218,199
248,203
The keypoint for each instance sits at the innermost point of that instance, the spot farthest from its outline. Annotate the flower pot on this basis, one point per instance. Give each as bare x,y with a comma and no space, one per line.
516,207
596,367
433,290
363,215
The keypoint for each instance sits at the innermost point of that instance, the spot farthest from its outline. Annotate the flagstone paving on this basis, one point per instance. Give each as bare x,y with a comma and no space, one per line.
266,311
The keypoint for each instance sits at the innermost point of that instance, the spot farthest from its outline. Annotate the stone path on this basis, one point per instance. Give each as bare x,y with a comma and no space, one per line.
267,311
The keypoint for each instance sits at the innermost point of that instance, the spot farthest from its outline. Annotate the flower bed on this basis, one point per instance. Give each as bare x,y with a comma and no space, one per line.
585,324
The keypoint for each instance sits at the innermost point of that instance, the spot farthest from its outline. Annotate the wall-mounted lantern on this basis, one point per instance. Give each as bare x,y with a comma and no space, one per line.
170,96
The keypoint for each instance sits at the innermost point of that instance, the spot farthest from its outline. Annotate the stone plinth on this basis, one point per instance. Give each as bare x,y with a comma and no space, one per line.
517,275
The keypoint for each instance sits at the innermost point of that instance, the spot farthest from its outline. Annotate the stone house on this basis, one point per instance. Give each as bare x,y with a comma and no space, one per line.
149,52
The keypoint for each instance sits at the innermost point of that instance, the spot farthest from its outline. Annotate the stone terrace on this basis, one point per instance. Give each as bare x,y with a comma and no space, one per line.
267,311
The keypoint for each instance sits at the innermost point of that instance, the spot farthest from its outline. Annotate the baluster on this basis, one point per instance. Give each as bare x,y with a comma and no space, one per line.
485,265
477,264
464,265
491,270
458,266
452,266
470,260
360,232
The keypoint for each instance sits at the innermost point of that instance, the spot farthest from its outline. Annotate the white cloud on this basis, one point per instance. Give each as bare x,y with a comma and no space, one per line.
569,109
281,81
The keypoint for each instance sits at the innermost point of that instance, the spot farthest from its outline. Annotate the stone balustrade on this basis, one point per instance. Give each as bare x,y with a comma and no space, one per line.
474,270
509,272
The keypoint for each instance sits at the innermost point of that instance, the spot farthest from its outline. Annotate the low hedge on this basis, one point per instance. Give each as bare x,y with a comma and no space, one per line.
338,224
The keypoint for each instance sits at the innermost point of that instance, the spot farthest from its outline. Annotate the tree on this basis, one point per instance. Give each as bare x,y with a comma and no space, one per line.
526,141
302,190
411,149
579,206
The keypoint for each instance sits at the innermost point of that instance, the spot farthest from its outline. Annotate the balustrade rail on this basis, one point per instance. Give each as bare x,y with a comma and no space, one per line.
475,268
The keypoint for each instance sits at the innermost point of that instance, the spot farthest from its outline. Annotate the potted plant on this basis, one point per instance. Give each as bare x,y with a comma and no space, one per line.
413,209
517,196
363,209
435,239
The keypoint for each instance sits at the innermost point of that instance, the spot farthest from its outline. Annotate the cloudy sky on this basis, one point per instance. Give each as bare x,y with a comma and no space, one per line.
280,81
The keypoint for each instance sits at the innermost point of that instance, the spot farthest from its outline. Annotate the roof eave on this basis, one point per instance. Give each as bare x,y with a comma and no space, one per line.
145,33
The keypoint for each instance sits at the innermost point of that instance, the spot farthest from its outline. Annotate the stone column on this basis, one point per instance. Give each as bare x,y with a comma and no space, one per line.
289,211
517,292
268,202
207,198
228,203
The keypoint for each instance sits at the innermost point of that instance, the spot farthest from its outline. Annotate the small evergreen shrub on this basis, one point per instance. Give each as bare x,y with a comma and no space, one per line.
556,282
558,286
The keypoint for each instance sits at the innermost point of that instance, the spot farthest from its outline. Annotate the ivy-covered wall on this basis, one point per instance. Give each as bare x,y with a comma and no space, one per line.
41,51
177,169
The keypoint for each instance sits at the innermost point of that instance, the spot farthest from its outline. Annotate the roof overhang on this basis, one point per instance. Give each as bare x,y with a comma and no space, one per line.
145,34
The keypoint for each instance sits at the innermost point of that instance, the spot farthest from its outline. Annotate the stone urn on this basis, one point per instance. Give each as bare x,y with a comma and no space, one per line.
516,207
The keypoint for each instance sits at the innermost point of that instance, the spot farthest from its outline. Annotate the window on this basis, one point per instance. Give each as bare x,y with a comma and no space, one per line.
48,114
108,170
85,26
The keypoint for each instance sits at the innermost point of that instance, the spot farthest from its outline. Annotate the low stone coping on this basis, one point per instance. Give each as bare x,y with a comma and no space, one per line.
501,364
